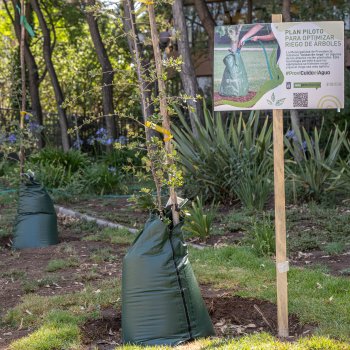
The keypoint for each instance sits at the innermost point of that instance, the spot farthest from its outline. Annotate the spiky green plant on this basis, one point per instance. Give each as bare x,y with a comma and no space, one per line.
316,165
215,161
199,220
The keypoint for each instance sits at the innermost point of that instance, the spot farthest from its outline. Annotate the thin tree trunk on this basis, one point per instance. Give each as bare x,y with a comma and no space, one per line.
208,24
53,76
250,11
146,101
33,75
107,71
163,104
23,81
294,114
135,48
187,74
286,10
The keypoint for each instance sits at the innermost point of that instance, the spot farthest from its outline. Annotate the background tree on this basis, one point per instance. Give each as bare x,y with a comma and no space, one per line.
208,24
135,47
106,66
187,73
47,53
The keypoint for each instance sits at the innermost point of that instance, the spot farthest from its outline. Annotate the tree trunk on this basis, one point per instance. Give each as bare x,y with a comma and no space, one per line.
53,76
294,114
146,101
135,48
23,81
187,74
33,76
163,106
250,11
208,24
107,71
286,11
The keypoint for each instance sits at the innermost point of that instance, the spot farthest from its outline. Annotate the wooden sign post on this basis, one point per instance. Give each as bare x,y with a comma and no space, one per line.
282,265
292,87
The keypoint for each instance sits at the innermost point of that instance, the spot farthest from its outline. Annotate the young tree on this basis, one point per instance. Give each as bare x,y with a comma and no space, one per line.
47,52
163,107
107,70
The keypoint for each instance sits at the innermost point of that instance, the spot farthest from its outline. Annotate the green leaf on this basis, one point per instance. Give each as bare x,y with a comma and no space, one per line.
280,102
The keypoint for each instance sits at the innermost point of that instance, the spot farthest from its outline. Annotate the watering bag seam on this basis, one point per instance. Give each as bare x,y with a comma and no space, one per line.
180,286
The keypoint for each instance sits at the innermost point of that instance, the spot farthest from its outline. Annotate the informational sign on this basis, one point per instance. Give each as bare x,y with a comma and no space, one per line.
279,66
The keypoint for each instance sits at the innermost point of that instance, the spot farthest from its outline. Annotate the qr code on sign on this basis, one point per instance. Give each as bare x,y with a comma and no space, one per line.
301,99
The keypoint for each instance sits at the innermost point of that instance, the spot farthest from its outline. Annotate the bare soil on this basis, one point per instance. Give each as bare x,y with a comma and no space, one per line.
232,316
338,265
120,211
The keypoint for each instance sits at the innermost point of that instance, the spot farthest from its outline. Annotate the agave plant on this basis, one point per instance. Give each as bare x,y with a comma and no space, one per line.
316,167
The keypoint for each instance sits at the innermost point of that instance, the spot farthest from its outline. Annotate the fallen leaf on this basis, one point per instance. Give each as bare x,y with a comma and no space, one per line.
251,325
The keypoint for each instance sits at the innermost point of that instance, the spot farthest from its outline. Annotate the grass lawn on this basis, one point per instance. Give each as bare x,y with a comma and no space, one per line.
313,296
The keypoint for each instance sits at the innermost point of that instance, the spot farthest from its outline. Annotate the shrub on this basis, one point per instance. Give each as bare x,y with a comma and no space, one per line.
57,169
73,160
52,175
199,221
119,158
251,181
315,167
226,160
102,179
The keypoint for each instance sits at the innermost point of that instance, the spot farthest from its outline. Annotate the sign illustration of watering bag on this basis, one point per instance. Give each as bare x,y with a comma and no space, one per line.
279,66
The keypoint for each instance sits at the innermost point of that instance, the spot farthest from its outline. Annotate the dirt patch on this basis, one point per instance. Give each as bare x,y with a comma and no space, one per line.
235,316
338,265
27,270
219,100
117,210
232,316
6,242
8,335
104,332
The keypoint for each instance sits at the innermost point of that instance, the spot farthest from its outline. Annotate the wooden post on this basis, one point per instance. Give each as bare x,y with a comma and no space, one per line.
280,217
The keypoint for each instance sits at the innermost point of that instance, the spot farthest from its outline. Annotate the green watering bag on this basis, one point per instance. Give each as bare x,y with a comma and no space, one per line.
161,299
36,222
234,80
